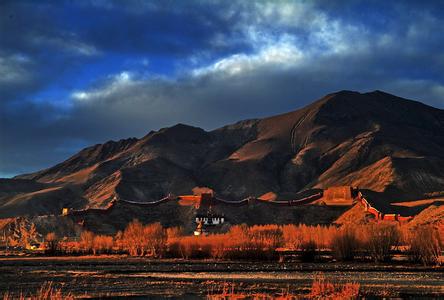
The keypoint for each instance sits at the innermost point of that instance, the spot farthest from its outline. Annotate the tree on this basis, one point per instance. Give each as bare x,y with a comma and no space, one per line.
344,244
138,239
132,238
174,232
292,236
23,233
52,243
239,236
154,238
102,244
381,238
87,241
425,245
32,233
118,239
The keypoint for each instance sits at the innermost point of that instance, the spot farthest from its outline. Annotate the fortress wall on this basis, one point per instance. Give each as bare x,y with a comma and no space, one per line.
338,195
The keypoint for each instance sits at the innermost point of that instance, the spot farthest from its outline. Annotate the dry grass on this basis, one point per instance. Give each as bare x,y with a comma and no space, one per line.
324,289
321,289
228,291
46,292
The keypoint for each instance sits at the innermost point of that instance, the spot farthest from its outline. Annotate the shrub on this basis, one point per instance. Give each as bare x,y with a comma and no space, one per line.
425,245
189,247
174,249
381,238
309,251
344,244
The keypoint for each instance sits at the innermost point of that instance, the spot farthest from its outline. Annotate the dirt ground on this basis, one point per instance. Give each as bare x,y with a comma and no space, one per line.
119,276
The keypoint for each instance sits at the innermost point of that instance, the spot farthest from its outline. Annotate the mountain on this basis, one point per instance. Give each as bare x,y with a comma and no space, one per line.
375,141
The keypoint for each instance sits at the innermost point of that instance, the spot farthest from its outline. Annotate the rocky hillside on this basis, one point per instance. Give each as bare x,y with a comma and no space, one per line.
375,141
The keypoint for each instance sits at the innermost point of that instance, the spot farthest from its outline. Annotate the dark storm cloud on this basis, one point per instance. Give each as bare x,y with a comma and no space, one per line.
43,41
236,61
34,49
169,28
55,37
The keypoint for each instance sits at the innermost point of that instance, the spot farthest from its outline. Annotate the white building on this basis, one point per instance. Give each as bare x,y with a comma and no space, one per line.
209,220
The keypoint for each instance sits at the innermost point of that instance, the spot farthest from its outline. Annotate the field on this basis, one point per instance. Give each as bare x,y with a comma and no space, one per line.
117,276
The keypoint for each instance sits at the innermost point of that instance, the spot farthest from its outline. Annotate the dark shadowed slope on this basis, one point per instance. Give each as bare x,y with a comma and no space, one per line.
374,140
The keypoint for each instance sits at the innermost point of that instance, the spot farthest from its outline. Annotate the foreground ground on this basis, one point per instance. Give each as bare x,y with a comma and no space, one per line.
115,276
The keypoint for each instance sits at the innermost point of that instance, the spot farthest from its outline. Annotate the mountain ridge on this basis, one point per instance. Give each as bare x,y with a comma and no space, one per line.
373,140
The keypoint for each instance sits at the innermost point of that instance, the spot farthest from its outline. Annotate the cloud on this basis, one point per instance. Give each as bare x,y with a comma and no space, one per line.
226,61
17,76
13,70
66,42
283,54
114,85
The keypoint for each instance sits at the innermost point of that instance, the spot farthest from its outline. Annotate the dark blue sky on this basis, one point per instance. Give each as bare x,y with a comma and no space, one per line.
76,73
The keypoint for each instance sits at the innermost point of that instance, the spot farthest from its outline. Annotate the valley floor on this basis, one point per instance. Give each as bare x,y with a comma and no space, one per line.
117,276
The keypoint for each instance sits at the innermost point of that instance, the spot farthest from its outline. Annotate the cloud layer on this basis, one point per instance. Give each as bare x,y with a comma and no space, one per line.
78,74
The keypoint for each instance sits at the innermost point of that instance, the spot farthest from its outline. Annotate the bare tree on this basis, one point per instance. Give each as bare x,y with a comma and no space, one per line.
133,238
87,241
425,245
381,238
52,243
154,238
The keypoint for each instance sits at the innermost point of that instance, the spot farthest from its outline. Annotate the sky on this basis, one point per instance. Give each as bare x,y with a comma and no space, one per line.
78,73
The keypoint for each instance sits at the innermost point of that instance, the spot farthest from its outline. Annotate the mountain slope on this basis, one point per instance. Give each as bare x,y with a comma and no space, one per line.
375,140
